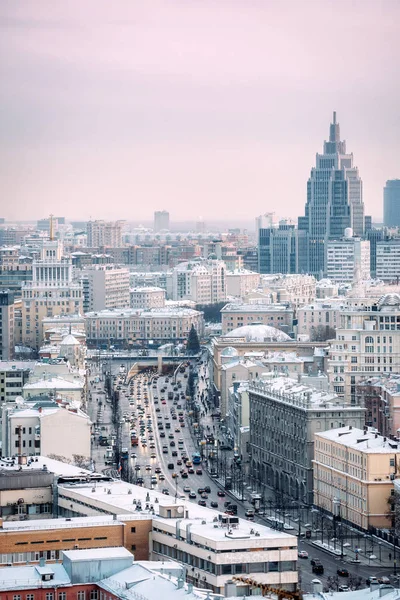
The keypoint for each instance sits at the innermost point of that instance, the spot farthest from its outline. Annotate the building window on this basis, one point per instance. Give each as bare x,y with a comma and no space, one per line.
81,595
16,597
133,529
93,595
49,595
392,462
133,547
61,596
30,597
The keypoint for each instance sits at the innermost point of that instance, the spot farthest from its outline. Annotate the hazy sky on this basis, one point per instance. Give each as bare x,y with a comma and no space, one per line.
203,107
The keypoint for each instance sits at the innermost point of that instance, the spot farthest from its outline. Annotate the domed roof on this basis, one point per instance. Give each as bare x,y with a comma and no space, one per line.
229,351
259,333
389,300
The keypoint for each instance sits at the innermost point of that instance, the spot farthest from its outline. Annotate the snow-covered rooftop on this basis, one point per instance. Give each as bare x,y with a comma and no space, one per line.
365,440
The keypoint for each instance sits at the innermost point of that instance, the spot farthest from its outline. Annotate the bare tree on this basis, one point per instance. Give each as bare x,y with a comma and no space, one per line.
354,582
322,333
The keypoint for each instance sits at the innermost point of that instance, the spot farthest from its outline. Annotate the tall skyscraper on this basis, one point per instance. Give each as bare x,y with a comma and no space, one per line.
391,203
161,220
334,201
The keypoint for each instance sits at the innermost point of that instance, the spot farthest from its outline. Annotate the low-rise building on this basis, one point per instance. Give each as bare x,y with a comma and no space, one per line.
236,315
294,289
147,297
125,327
284,416
45,428
319,320
354,469
240,282
72,391
212,546
13,376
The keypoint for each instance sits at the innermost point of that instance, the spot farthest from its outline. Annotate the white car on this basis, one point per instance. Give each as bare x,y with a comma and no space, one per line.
303,554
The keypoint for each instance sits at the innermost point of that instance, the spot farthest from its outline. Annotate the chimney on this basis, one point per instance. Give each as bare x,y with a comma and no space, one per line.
42,562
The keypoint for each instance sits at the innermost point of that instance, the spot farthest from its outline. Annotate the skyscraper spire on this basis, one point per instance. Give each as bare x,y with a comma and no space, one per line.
51,229
334,131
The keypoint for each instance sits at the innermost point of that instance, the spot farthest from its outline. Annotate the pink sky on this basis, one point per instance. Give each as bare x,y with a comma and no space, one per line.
211,107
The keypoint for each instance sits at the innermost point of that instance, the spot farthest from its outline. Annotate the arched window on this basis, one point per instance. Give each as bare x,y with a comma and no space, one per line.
369,339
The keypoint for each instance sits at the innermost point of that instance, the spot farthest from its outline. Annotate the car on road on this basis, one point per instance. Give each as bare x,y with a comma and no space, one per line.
315,561
157,470
214,504
199,472
174,475
192,495
342,572
140,481
207,489
161,477
302,554
318,569
153,455
137,468
371,579
184,475
186,488
343,588
166,491
202,503
133,455
221,494
191,470
179,462
204,496
170,466
174,453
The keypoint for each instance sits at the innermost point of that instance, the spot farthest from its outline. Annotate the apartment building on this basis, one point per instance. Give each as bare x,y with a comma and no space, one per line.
13,376
293,289
367,343
284,417
128,326
354,469
348,259
147,297
318,321
51,292
104,233
15,268
388,260
105,286
236,315
381,397
6,325
45,428
203,281
240,282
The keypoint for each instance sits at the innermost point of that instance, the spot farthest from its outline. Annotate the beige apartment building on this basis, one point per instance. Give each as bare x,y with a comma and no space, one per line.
105,286
147,297
319,320
240,282
367,343
239,314
127,326
354,472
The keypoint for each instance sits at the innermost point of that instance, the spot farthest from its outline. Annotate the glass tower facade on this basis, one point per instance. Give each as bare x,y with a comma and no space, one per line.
334,202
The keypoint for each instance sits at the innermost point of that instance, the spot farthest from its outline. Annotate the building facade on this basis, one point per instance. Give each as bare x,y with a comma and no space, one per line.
105,286
367,343
238,314
51,292
284,417
104,233
240,282
388,260
391,203
203,281
334,201
355,468
7,338
161,220
147,297
348,260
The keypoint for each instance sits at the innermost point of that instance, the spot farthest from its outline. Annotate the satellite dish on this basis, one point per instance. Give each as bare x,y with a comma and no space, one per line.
179,510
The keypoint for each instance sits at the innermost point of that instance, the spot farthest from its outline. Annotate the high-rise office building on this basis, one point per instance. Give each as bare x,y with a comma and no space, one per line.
278,249
334,201
161,220
391,203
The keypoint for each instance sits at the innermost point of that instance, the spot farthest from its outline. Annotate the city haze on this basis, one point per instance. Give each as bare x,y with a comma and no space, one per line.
211,108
